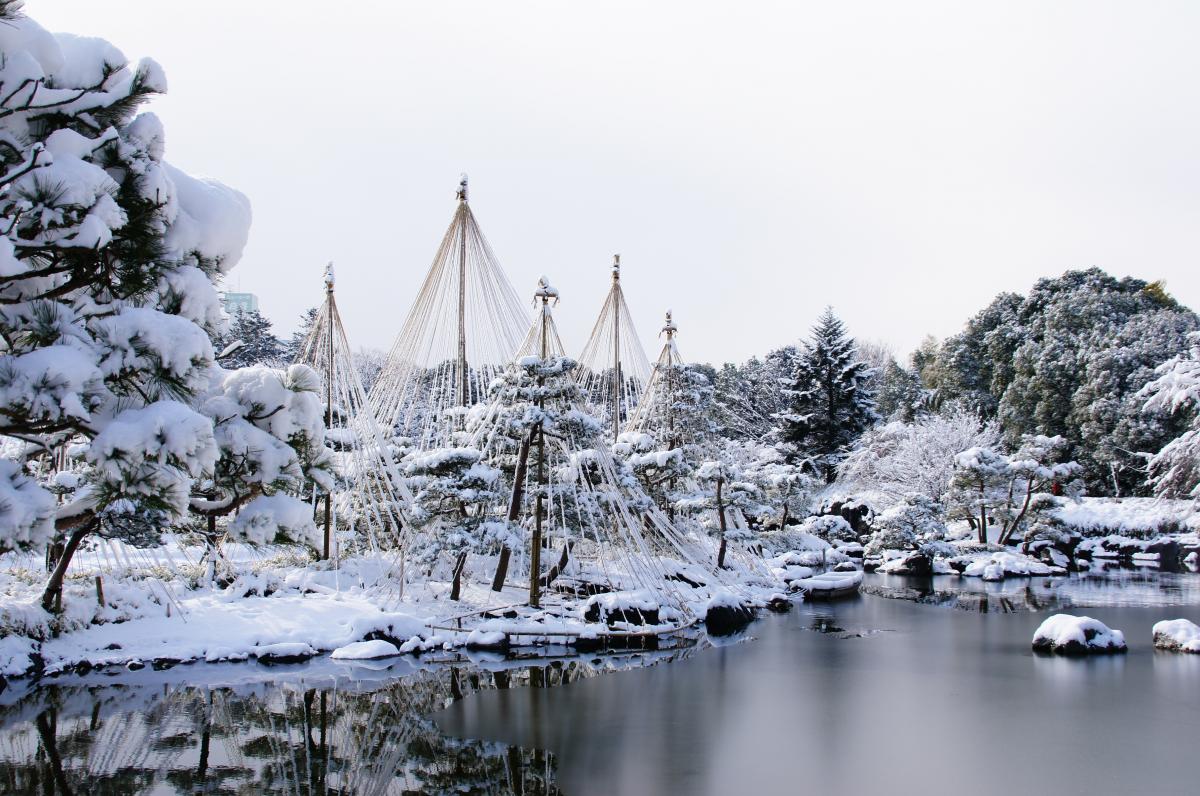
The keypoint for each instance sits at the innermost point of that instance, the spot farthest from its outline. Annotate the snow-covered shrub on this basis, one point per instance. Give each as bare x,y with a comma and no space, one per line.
266,518
909,525
830,528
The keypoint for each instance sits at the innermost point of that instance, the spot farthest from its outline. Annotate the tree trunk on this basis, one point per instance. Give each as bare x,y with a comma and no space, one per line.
514,508
459,566
982,516
54,584
721,517
535,545
784,519
558,568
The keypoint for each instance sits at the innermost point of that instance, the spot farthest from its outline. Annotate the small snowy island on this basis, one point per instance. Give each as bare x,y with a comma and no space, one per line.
1077,635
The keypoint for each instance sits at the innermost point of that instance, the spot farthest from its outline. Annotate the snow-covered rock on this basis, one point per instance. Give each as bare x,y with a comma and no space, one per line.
830,584
1179,635
1000,565
1077,635
365,650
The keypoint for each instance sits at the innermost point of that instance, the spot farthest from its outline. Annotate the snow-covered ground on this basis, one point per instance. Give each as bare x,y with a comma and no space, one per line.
163,606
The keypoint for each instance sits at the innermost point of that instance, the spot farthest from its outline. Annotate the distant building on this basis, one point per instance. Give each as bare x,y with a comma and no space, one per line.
241,302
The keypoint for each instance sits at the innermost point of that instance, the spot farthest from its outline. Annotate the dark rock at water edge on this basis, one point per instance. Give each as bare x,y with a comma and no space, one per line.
722,620
632,616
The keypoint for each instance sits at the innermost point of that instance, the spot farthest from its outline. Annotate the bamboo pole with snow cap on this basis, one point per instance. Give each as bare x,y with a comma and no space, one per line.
328,404
617,380
545,292
463,381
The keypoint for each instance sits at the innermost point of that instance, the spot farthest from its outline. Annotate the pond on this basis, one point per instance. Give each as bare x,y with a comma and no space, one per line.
873,693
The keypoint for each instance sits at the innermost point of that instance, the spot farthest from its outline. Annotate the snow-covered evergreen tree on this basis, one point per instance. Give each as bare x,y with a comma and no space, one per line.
1175,470
292,347
534,400
453,491
1067,360
1011,492
723,498
832,402
107,300
258,345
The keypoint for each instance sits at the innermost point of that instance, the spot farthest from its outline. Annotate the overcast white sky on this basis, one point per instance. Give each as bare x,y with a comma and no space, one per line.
752,162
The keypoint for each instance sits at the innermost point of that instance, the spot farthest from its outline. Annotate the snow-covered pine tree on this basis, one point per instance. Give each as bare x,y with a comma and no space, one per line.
453,491
724,494
786,487
989,488
107,261
259,346
534,399
832,402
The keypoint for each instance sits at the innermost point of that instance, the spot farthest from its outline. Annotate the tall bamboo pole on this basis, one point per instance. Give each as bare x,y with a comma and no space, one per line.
617,385
535,553
463,212
329,307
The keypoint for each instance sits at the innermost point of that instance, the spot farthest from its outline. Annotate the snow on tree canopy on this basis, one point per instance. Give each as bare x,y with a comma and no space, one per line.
26,510
107,300
266,517
152,454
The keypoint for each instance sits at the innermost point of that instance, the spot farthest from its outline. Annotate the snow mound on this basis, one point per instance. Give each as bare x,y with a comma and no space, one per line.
1178,635
365,650
830,582
997,566
1077,635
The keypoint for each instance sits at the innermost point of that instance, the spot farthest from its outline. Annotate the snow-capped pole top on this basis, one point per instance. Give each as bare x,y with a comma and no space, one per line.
545,291
329,277
461,195
616,268
670,328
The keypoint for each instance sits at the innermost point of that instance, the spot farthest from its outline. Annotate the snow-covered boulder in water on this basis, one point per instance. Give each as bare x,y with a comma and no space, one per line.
365,651
1177,635
1077,635
726,614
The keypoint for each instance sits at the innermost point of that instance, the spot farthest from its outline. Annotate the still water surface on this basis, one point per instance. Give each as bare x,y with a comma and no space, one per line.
911,695
874,695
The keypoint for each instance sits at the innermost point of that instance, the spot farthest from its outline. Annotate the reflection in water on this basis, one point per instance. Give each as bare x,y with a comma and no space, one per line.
1113,587
366,733
871,696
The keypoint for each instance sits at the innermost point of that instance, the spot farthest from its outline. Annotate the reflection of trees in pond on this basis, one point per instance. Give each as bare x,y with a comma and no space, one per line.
372,737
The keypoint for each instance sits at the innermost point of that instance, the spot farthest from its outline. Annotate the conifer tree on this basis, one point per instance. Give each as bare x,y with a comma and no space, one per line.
259,346
832,403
